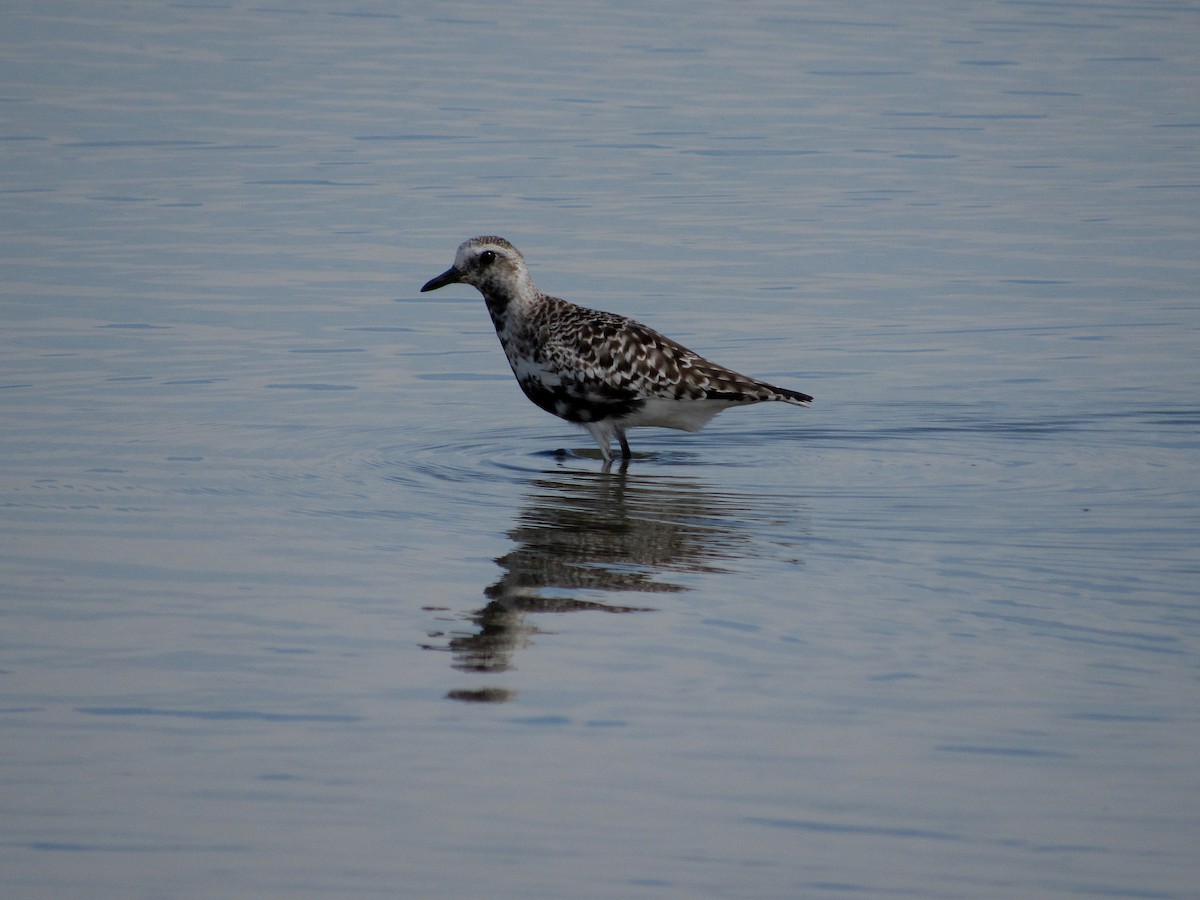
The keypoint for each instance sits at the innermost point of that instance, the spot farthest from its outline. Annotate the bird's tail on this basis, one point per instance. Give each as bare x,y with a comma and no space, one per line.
759,392
789,396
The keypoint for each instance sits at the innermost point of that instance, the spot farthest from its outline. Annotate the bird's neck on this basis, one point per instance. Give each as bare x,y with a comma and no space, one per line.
510,303
498,303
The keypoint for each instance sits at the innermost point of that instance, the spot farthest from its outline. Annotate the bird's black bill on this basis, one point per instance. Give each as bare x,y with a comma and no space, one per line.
450,276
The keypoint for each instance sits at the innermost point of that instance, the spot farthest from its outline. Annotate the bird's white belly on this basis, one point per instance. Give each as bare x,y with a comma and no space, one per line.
684,415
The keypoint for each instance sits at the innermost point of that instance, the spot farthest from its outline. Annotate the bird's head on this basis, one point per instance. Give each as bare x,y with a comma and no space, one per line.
489,263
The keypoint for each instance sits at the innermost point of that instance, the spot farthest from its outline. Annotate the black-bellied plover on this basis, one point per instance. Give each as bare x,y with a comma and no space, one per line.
597,369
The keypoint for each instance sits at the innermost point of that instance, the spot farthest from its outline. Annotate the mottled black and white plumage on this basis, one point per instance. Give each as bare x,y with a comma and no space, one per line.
597,369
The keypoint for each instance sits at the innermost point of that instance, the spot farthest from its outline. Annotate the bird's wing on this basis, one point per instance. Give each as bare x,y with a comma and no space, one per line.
607,354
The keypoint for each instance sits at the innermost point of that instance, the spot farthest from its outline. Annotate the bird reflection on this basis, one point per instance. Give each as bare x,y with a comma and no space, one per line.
584,532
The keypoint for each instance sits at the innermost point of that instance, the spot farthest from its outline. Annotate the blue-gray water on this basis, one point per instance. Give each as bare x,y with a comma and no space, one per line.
299,599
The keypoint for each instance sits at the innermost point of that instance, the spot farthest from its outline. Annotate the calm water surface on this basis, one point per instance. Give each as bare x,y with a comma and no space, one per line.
301,598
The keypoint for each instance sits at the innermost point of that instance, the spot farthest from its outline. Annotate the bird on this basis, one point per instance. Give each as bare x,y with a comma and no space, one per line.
599,370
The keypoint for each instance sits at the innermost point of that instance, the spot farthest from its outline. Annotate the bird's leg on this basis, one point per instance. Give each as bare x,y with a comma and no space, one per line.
625,454
603,438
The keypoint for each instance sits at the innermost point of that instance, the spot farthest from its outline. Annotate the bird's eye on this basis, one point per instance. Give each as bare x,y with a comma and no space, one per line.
487,257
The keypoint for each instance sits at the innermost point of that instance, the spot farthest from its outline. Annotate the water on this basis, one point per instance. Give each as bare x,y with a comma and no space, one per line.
302,598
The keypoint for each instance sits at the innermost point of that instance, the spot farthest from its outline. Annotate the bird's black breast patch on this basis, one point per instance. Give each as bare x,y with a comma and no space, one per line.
568,403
